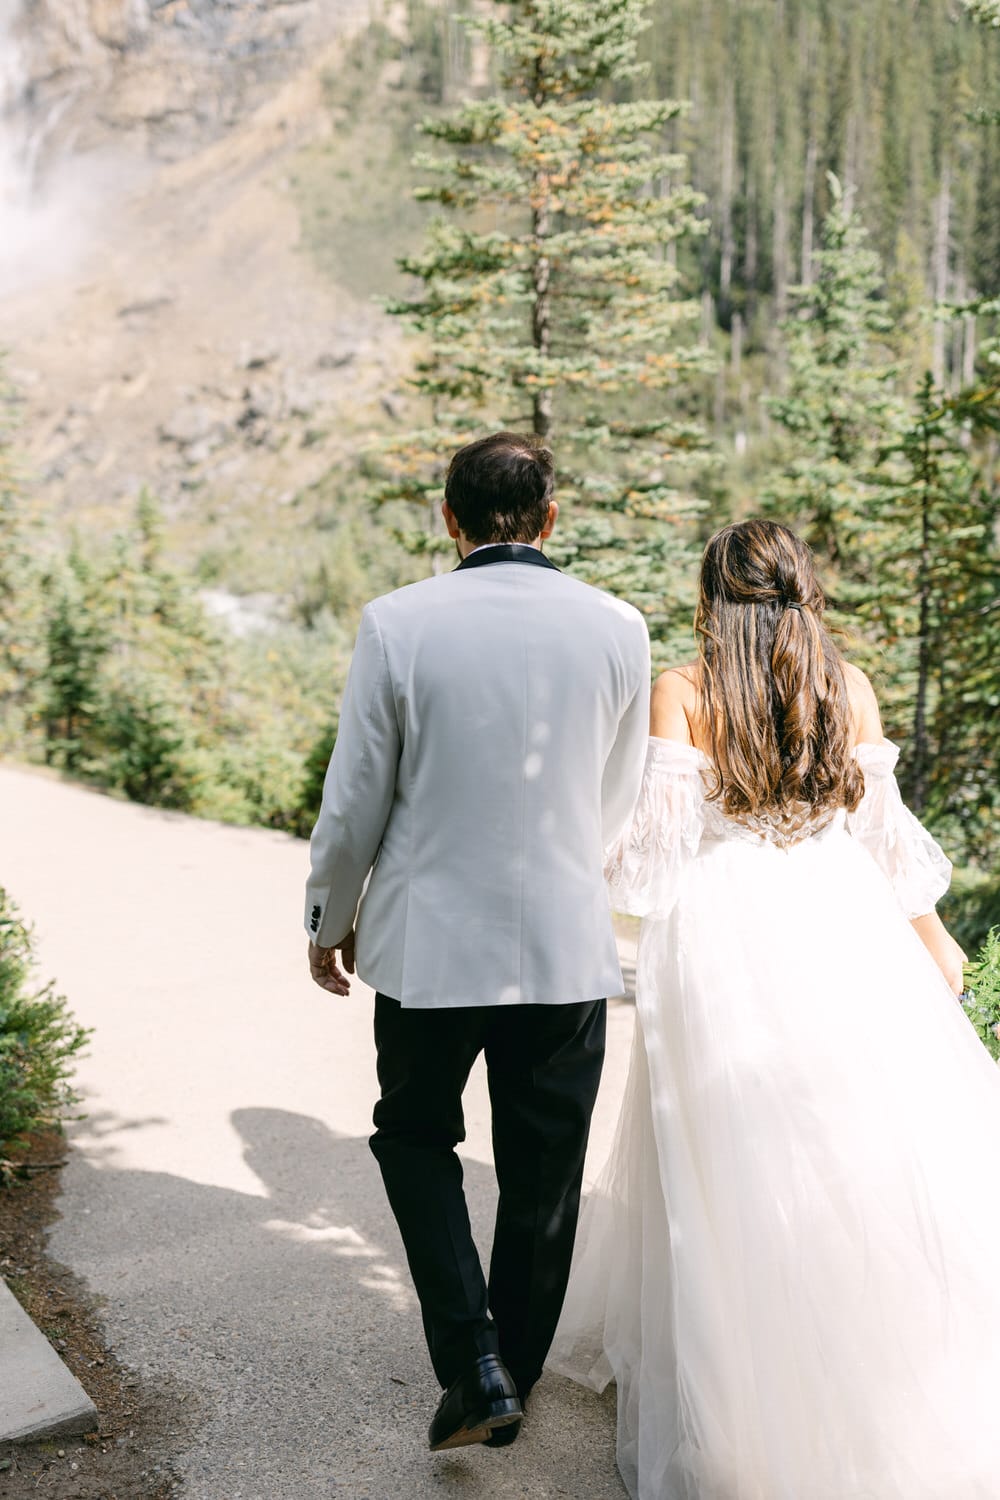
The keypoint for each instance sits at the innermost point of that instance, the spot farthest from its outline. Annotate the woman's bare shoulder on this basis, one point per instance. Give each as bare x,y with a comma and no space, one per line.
864,705
680,679
675,703
859,687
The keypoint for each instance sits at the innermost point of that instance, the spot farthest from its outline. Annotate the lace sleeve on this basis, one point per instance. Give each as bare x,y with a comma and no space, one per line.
643,866
915,866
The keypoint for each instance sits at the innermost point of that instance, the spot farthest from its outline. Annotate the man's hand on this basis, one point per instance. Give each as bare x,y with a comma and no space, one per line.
323,965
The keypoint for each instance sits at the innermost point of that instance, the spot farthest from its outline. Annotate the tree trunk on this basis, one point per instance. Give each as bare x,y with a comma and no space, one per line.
942,229
440,562
727,176
851,157
750,250
779,259
921,748
477,57
808,207
541,310
707,317
969,357
670,249
736,348
541,272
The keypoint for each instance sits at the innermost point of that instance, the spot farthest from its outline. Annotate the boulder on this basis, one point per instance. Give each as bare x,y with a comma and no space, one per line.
195,424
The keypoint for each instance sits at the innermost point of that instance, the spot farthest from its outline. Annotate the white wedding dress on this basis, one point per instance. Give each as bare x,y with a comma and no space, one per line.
791,1265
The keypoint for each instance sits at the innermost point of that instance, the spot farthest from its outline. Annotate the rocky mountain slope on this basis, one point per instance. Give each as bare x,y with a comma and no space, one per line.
164,325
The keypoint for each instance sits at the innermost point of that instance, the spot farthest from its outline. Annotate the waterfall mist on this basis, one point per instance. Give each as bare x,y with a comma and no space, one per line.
51,197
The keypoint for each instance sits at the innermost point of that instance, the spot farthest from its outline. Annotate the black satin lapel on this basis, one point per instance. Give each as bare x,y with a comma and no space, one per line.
506,552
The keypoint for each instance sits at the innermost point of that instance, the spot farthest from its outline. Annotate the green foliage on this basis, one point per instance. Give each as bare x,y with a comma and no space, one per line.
840,410
76,639
873,91
142,740
134,689
550,298
351,187
20,613
936,612
259,779
133,672
894,493
10,559
879,94
39,1040
971,906
558,290
982,982
312,784
986,12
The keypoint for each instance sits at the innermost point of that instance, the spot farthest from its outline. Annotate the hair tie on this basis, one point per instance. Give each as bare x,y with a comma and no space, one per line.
792,604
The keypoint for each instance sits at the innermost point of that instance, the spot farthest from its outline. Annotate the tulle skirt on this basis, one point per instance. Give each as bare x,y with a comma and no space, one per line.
791,1264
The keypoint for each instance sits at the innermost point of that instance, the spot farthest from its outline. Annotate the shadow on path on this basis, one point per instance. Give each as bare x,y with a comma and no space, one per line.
291,1315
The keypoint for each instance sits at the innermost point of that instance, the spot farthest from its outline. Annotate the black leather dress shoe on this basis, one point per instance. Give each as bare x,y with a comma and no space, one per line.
475,1406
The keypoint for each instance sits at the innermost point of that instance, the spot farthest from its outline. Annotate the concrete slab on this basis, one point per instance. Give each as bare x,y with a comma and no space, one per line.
39,1397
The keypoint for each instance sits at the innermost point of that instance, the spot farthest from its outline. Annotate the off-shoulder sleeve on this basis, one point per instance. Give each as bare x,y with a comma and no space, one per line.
643,866
915,866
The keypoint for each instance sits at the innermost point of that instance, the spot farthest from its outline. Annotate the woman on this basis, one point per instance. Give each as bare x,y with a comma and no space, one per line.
790,1266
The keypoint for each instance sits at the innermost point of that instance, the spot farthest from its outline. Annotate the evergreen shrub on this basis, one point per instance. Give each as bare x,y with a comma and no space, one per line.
972,907
39,1040
982,988
314,775
141,742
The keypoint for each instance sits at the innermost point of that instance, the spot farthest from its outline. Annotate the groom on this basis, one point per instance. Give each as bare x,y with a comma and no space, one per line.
491,744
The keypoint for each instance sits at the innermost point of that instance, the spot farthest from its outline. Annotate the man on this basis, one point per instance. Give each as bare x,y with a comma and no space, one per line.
490,746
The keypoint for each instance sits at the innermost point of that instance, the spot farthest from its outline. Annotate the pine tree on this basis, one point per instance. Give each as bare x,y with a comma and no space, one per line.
894,496
20,612
986,240
550,296
78,637
937,611
986,12
946,567
872,90
840,412
10,550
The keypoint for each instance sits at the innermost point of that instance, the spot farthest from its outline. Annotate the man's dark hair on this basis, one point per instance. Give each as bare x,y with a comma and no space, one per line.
500,487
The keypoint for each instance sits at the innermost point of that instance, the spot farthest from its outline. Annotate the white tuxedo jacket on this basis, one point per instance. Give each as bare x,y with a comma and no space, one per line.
491,744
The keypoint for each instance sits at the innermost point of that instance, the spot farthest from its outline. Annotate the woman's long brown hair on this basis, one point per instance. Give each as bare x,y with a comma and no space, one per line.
772,686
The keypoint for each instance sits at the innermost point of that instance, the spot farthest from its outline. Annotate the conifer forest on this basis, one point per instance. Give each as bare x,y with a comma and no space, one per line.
729,257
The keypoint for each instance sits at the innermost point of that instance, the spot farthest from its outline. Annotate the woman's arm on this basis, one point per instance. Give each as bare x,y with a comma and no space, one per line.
929,928
942,948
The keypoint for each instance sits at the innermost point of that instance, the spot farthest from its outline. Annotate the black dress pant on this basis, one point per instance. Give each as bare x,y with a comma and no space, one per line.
544,1065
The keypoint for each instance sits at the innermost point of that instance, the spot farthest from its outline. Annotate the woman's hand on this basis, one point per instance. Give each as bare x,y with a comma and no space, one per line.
942,947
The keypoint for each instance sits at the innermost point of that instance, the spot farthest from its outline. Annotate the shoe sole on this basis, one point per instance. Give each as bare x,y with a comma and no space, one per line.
465,1437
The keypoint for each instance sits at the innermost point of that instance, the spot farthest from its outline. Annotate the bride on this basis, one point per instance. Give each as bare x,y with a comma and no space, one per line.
791,1265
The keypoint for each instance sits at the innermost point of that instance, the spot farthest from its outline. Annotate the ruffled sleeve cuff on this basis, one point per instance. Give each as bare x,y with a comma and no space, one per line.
643,867
912,861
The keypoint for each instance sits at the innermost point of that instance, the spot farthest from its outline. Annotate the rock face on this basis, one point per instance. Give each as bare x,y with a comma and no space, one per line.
162,326
185,70
93,91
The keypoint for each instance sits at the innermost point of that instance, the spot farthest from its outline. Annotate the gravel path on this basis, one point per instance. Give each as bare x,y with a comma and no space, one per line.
221,1199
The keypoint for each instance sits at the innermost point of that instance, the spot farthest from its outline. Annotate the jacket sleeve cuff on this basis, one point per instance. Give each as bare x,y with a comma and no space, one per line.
325,921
